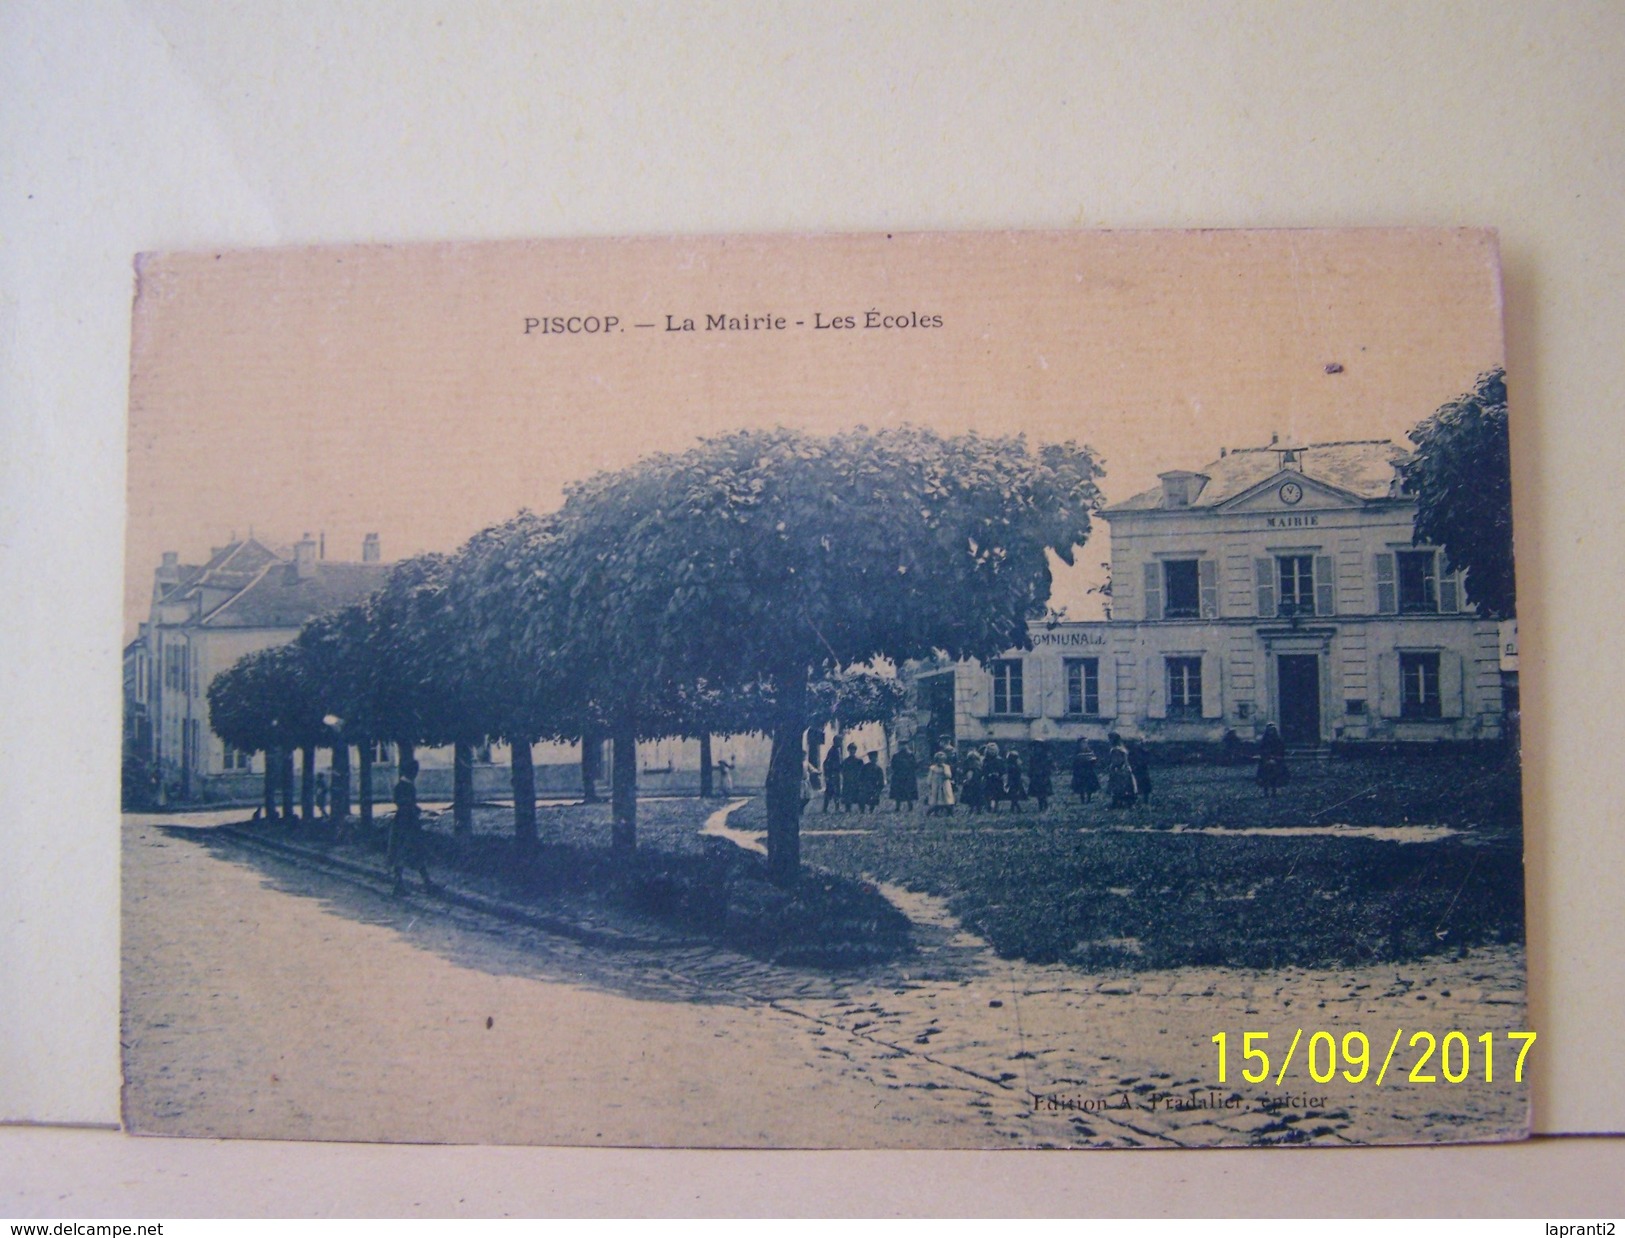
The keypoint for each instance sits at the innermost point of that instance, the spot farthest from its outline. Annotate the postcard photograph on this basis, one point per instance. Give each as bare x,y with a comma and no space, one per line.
1005,690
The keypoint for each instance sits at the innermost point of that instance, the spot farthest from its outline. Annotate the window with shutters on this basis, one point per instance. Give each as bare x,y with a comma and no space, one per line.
1007,687
1184,687
1181,589
1297,584
1083,687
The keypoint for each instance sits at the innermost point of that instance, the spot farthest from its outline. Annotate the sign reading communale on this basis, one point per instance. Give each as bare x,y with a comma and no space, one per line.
822,691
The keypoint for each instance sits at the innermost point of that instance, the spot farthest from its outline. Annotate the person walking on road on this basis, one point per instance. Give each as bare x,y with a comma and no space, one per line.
406,844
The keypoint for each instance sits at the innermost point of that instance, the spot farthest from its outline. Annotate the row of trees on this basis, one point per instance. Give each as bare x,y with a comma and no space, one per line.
730,588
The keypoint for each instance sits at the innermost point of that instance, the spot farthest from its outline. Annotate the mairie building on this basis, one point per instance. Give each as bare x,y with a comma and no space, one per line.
1276,584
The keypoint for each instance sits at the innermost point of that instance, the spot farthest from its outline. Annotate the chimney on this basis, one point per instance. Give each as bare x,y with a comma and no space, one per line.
304,557
322,552
370,551
172,559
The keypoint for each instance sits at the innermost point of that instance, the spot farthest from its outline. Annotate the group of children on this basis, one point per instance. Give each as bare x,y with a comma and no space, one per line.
979,778
982,779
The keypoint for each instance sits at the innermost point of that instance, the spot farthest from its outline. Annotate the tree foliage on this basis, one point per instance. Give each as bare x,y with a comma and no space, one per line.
421,686
505,598
266,701
1461,474
774,557
853,697
335,652
733,587
763,552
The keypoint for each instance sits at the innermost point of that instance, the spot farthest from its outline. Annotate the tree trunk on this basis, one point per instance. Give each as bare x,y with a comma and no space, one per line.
405,750
462,788
341,782
705,766
364,778
285,770
784,778
307,783
271,770
623,788
592,766
524,797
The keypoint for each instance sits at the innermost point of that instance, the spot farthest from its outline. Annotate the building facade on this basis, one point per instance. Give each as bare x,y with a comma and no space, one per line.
205,617
1276,585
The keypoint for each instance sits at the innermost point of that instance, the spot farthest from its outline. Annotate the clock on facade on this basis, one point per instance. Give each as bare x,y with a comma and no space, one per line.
1291,492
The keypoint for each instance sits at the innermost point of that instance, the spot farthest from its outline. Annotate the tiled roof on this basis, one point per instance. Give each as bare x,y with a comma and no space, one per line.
1363,467
186,574
279,598
231,567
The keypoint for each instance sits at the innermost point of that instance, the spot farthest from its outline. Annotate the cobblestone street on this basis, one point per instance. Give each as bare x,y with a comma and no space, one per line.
266,996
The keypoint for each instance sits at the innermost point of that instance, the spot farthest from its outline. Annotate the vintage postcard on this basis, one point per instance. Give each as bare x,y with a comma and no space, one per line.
877,691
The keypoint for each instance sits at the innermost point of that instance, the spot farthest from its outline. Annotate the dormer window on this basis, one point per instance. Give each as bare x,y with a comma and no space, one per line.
1180,488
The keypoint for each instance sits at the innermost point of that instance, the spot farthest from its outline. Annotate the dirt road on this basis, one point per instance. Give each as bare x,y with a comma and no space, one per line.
267,998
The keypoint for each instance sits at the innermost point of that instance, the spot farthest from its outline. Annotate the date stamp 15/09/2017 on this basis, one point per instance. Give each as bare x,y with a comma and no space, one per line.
1327,1057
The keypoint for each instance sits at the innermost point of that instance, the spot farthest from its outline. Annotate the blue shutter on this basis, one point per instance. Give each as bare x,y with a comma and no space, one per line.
1387,584
1264,574
1207,573
1325,585
1153,591
1449,591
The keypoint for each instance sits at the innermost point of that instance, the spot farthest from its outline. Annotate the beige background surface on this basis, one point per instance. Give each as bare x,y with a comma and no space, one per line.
343,390
157,126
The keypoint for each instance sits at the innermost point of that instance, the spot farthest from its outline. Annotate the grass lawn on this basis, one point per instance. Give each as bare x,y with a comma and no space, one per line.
1168,883
705,887
1096,887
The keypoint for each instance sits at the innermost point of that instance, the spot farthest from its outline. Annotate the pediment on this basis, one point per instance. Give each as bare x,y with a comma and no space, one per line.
1289,491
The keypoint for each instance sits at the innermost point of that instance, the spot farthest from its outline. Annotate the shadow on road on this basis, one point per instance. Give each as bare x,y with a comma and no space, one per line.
623,955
